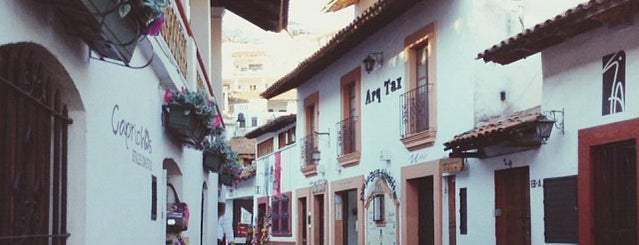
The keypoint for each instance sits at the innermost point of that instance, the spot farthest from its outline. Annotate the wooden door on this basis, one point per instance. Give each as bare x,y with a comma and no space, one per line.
318,220
302,226
426,219
512,206
614,190
452,215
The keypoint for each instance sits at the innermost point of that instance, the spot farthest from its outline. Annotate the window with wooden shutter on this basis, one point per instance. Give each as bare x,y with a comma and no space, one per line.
560,210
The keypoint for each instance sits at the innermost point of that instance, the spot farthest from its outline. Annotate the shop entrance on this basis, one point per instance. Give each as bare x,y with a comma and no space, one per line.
615,193
346,217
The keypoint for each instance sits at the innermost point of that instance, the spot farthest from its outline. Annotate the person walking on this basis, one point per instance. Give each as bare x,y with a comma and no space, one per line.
224,226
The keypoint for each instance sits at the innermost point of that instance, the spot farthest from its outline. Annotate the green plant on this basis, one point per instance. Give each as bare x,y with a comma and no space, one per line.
198,103
219,147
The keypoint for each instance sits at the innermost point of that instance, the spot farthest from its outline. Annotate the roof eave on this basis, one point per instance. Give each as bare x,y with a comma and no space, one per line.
573,22
368,23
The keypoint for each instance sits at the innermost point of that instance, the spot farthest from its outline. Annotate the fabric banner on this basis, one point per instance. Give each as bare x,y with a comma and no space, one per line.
246,217
278,174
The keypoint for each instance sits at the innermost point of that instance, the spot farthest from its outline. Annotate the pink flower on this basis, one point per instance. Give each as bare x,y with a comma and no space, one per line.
217,121
155,26
168,95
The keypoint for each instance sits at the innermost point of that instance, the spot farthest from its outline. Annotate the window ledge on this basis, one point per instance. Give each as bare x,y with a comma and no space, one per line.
309,170
349,159
420,140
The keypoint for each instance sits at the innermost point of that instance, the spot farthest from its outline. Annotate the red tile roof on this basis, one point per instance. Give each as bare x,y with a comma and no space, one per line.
585,17
369,22
243,145
494,128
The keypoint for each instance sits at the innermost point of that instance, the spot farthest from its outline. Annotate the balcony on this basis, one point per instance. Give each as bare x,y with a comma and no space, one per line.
309,146
347,141
415,127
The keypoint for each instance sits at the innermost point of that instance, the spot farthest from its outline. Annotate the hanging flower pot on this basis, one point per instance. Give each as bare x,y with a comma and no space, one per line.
226,179
189,116
212,161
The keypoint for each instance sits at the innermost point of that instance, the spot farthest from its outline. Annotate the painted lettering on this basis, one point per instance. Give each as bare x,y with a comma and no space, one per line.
130,132
614,83
416,158
389,85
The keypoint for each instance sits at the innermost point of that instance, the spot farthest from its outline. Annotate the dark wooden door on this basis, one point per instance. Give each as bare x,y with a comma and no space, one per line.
426,219
303,221
452,218
318,224
615,188
512,206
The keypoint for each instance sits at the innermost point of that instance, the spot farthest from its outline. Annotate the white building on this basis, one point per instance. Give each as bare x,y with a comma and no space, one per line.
372,166
271,200
85,156
580,185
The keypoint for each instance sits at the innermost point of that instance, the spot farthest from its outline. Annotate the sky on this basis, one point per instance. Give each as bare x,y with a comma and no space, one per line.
285,51
306,13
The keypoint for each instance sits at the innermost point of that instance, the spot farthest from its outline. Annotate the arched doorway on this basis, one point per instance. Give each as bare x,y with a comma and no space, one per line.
34,92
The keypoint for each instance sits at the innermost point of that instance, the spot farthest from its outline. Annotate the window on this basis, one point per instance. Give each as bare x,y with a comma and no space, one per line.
241,120
286,137
154,197
33,147
378,208
417,105
265,147
309,142
560,210
255,67
253,87
281,215
463,216
348,129
253,121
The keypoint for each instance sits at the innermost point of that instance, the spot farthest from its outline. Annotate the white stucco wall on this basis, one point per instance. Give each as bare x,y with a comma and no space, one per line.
109,195
572,80
290,179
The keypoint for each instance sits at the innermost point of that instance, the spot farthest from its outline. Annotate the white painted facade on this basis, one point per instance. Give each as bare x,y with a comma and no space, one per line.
109,175
467,92
572,81
263,184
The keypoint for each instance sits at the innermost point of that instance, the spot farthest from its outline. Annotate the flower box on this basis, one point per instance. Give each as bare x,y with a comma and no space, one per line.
182,123
212,161
226,179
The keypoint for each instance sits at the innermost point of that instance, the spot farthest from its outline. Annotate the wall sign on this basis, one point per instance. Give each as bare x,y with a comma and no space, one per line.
379,173
451,165
614,83
416,158
136,138
389,87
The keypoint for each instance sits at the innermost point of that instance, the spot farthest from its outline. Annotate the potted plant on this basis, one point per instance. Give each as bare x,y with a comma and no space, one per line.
230,172
216,154
148,13
189,115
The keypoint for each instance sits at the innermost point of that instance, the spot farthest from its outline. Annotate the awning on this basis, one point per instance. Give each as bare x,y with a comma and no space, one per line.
585,17
270,15
514,133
